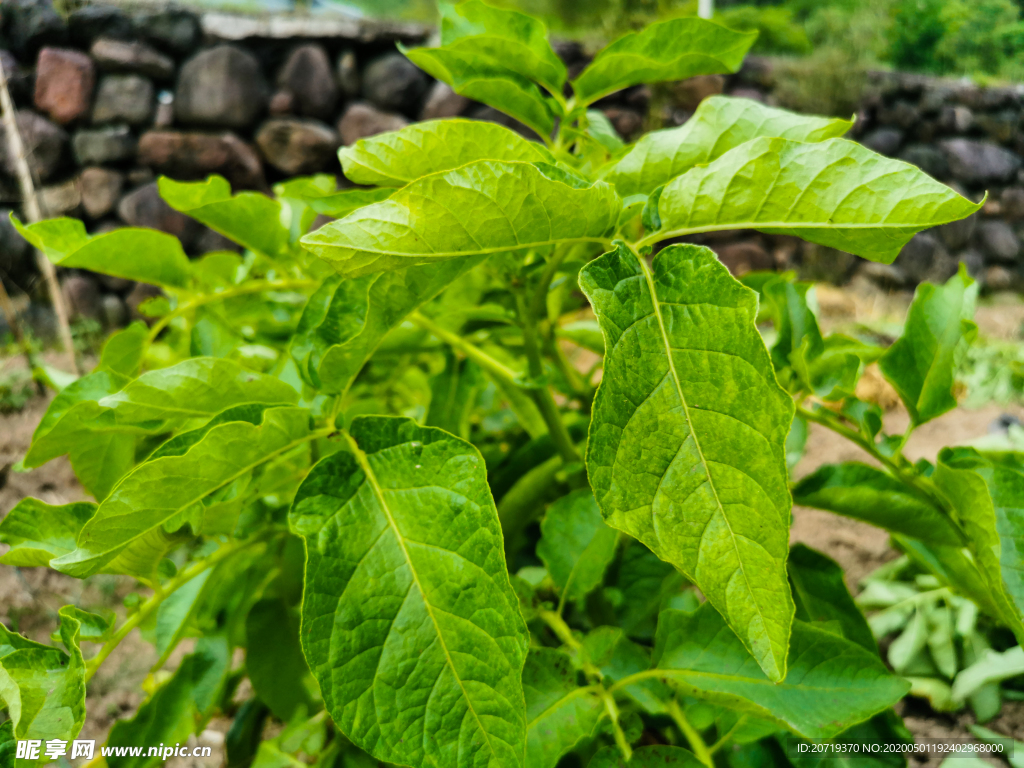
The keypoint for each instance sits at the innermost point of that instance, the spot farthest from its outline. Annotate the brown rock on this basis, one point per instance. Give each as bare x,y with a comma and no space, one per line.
64,83
100,188
144,207
281,103
82,296
741,258
347,75
1013,203
195,155
297,146
627,122
221,86
1000,279
691,92
307,76
442,101
362,120
120,56
43,142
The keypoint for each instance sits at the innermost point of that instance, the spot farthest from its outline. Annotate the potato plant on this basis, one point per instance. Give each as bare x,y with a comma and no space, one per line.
452,519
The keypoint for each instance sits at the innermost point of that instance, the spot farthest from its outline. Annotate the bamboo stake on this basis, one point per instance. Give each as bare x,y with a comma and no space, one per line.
34,213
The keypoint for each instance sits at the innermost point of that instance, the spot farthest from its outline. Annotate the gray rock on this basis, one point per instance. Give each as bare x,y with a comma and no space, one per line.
1000,126
928,158
144,207
100,187
885,276
222,86
957,234
921,256
442,101
901,114
44,144
824,264
998,241
885,141
82,296
196,155
393,83
209,240
93,21
296,146
347,74
307,77
974,261
121,56
20,80
60,199
113,312
1012,203
124,99
740,258
954,119
32,24
174,30
999,278
362,120
977,162
110,144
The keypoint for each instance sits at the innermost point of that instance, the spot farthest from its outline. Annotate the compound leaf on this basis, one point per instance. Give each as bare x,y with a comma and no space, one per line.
409,622
169,491
687,442
836,193
37,532
132,253
560,713
250,219
480,208
922,362
869,494
576,545
669,50
832,683
720,123
394,159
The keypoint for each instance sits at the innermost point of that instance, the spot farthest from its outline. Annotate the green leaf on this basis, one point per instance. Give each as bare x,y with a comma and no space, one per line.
42,687
123,351
576,545
560,714
340,204
174,613
345,320
720,123
687,443
992,667
37,532
921,364
669,50
617,657
91,626
169,491
835,193
832,683
409,622
394,159
8,744
273,658
481,208
868,494
134,254
988,494
820,594
645,757
453,394
250,219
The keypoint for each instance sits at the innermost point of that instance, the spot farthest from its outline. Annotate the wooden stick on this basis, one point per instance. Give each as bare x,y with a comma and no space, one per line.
34,213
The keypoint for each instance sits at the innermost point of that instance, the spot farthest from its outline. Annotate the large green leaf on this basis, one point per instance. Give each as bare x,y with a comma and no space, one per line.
988,494
37,532
480,208
869,494
836,193
44,688
409,622
687,442
720,123
397,158
921,364
820,594
560,713
345,319
668,50
160,496
250,219
134,254
832,683
576,545
273,658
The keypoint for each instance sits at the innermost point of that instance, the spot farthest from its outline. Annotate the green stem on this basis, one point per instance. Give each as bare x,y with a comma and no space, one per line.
613,714
560,628
258,286
161,594
724,738
470,350
700,749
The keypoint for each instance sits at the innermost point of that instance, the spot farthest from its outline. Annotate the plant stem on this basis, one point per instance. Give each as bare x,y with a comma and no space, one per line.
470,350
161,594
700,749
724,738
258,286
613,714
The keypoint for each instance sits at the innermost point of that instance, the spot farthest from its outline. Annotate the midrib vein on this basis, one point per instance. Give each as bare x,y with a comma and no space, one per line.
371,478
649,278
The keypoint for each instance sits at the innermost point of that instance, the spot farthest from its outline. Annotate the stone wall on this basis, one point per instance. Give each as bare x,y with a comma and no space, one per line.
109,100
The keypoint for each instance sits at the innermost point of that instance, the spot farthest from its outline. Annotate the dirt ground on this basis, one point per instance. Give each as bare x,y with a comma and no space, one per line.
29,598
